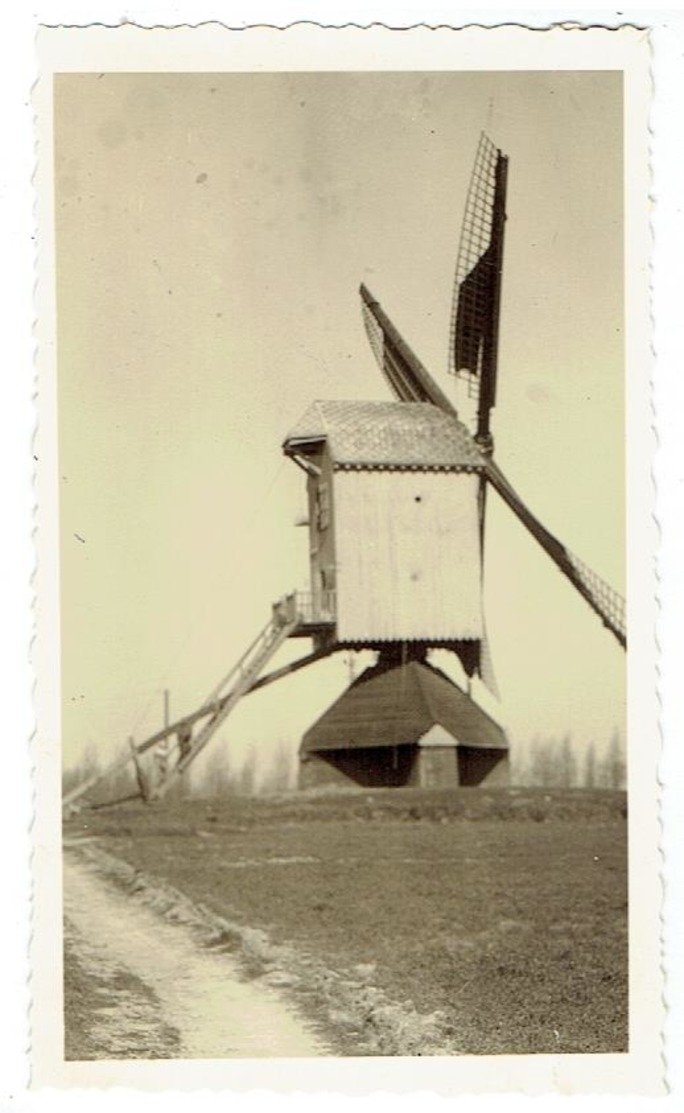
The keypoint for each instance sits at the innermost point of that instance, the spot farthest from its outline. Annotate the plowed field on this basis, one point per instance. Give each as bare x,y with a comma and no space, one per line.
400,921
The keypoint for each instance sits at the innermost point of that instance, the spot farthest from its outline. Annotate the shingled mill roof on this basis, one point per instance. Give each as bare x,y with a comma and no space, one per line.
387,435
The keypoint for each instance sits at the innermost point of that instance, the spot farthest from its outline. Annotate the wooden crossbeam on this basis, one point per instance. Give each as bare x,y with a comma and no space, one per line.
188,721
265,646
293,666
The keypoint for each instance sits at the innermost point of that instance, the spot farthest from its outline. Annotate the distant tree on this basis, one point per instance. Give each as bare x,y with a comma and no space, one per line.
590,766
87,766
280,774
246,780
566,776
521,773
616,771
212,774
551,764
121,783
543,772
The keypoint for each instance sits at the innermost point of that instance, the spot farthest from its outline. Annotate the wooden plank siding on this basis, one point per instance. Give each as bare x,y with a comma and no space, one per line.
407,555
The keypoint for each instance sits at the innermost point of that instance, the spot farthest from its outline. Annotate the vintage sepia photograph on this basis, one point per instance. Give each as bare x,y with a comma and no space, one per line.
341,360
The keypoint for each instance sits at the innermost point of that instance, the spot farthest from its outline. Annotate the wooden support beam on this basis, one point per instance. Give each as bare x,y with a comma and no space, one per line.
265,646
217,705
182,726
306,465
139,771
294,666
119,763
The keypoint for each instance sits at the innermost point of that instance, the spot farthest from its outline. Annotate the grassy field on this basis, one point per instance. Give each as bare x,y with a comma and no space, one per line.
497,921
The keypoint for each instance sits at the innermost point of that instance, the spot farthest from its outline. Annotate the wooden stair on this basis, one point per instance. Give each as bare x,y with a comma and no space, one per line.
238,682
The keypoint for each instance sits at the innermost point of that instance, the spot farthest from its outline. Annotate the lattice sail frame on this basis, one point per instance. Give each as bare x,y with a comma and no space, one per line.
473,305
608,604
606,600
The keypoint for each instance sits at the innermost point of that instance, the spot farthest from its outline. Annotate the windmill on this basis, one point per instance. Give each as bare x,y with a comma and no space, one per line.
397,495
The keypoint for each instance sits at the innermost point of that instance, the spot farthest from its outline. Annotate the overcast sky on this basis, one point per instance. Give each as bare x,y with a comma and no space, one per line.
212,231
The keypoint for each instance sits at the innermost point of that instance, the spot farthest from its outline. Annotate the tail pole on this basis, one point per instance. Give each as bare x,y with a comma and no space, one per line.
240,680
178,737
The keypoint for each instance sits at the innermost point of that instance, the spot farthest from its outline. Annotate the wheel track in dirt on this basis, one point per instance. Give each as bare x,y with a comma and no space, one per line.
198,994
350,1016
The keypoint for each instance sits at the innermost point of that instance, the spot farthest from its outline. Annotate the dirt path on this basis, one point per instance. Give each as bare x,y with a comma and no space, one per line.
194,997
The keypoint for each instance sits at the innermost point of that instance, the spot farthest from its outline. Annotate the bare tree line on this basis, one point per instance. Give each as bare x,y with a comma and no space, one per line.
553,763
545,763
257,773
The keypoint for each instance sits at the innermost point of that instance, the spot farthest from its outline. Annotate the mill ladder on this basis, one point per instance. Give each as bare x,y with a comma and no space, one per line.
238,681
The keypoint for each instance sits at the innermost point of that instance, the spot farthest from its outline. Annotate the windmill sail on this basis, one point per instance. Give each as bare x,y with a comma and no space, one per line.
473,337
409,380
473,356
473,314
608,604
